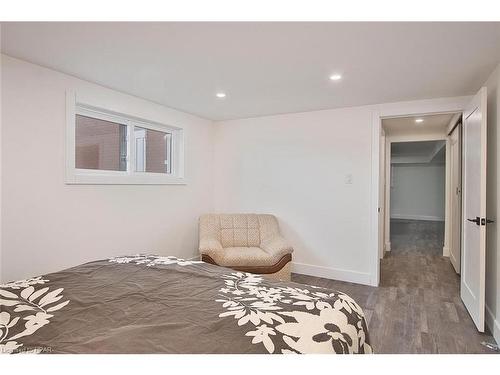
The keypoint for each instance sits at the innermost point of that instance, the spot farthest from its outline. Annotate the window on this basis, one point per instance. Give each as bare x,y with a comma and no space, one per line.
104,147
153,151
100,144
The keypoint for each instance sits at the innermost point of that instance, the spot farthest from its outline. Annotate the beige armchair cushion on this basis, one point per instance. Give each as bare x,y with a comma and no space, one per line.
239,231
238,256
236,240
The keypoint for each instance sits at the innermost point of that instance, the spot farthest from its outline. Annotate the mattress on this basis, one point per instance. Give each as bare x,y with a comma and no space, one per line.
162,304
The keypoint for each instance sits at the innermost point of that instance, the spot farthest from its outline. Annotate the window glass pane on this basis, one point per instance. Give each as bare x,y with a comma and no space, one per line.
100,144
153,151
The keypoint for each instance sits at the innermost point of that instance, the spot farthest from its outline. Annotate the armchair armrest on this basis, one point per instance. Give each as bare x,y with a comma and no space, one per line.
209,246
277,246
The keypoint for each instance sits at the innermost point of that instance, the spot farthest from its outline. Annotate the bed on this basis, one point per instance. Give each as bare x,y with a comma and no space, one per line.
158,304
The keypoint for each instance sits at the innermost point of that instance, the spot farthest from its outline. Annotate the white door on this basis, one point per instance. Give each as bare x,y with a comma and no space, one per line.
474,208
456,197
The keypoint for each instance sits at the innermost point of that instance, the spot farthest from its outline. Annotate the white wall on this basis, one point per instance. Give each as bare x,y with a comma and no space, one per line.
293,165
296,166
418,191
493,206
48,225
1,255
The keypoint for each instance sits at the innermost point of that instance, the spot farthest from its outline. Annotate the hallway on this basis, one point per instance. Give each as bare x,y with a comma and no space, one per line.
417,237
417,307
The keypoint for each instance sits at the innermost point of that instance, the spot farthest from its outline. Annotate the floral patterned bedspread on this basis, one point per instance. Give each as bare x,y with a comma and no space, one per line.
155,304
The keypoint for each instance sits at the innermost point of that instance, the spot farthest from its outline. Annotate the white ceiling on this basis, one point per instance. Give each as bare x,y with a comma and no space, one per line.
406,126
418,152
265,68
413,148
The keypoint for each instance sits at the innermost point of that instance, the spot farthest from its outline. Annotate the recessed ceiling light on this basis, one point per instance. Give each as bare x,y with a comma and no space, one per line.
220,95
419,120
335,77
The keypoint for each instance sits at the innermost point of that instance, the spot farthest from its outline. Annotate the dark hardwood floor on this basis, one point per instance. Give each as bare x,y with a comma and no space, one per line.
417,307
417,237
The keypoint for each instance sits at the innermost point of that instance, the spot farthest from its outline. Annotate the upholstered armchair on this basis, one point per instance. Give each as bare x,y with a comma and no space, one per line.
245,242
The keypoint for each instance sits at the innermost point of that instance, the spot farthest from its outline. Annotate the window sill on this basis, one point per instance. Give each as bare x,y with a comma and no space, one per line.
123,179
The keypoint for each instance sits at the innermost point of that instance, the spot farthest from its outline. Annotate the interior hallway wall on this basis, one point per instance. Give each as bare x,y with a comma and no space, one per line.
312,170
418,191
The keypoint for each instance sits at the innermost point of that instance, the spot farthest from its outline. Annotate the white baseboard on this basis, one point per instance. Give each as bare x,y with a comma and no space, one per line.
417,217
493,325
332,273
387,246
446,251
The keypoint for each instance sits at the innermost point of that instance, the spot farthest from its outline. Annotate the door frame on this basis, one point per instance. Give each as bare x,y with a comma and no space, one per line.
387,218
391,110
455,126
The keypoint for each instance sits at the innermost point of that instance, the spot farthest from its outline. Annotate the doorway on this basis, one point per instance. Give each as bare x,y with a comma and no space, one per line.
465,242
415,182
422,177
417,198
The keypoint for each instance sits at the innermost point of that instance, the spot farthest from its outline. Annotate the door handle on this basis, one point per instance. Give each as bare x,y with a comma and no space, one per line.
477,220
485,221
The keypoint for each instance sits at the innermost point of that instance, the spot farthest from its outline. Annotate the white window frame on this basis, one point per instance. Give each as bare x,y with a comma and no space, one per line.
129,176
